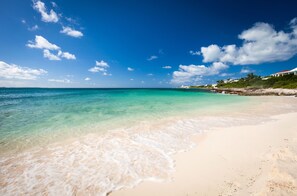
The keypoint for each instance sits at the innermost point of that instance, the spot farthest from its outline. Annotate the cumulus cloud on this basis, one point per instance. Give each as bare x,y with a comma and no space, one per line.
87,79
261,44
210,53
46,16
101,66
130,69
195,53
153,57
167,67
12,71
97,69
47,54
194,73
71,32
42,43
66,55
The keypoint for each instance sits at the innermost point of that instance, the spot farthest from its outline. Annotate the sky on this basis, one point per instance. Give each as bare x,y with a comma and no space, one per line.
153,43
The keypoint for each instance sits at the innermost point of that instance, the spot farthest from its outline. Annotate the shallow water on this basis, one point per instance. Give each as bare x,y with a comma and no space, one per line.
30,117
94,141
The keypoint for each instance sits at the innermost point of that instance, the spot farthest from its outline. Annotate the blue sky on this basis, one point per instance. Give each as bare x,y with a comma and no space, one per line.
73,43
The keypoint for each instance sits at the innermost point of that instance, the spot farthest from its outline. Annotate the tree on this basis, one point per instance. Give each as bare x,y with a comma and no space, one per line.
220,82
251,76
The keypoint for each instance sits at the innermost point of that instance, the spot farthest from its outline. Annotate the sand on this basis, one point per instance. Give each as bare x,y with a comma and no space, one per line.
242,160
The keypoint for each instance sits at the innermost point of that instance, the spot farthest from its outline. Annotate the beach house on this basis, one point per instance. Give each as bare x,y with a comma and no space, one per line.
285,72
294,71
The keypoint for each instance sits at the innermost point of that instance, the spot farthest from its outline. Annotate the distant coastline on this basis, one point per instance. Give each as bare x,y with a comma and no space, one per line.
257,92
253,85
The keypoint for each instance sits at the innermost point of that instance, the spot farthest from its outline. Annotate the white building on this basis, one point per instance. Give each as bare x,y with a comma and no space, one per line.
285,72
231,80
294,71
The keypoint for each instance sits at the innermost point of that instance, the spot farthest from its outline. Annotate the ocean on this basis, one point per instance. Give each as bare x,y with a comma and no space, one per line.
38,116
95,141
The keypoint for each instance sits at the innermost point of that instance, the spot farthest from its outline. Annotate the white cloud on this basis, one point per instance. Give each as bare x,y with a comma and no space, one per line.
33,28
12,71
210,53
153,57
97,69
71,20
106,74
53,57
150,74
87,79
195,53
47,54
42,43
67,81
54,4
245,70
194,73
226,74
66,55
45,16
261,44
293,22
71,32
23,21
131,79
167,67
101,66
130,69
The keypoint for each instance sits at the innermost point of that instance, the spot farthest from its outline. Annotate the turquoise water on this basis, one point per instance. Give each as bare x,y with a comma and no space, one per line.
95,141
40,116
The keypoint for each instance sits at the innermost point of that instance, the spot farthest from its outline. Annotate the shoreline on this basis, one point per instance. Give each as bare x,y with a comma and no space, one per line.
245,160
257,92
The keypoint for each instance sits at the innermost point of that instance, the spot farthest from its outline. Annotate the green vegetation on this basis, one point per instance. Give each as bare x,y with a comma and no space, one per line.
254,81
202,86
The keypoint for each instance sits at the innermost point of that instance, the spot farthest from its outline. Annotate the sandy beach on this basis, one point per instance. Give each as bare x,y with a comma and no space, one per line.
241,160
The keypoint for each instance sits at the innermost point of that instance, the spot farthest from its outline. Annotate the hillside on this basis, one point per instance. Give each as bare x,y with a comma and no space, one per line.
254,81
